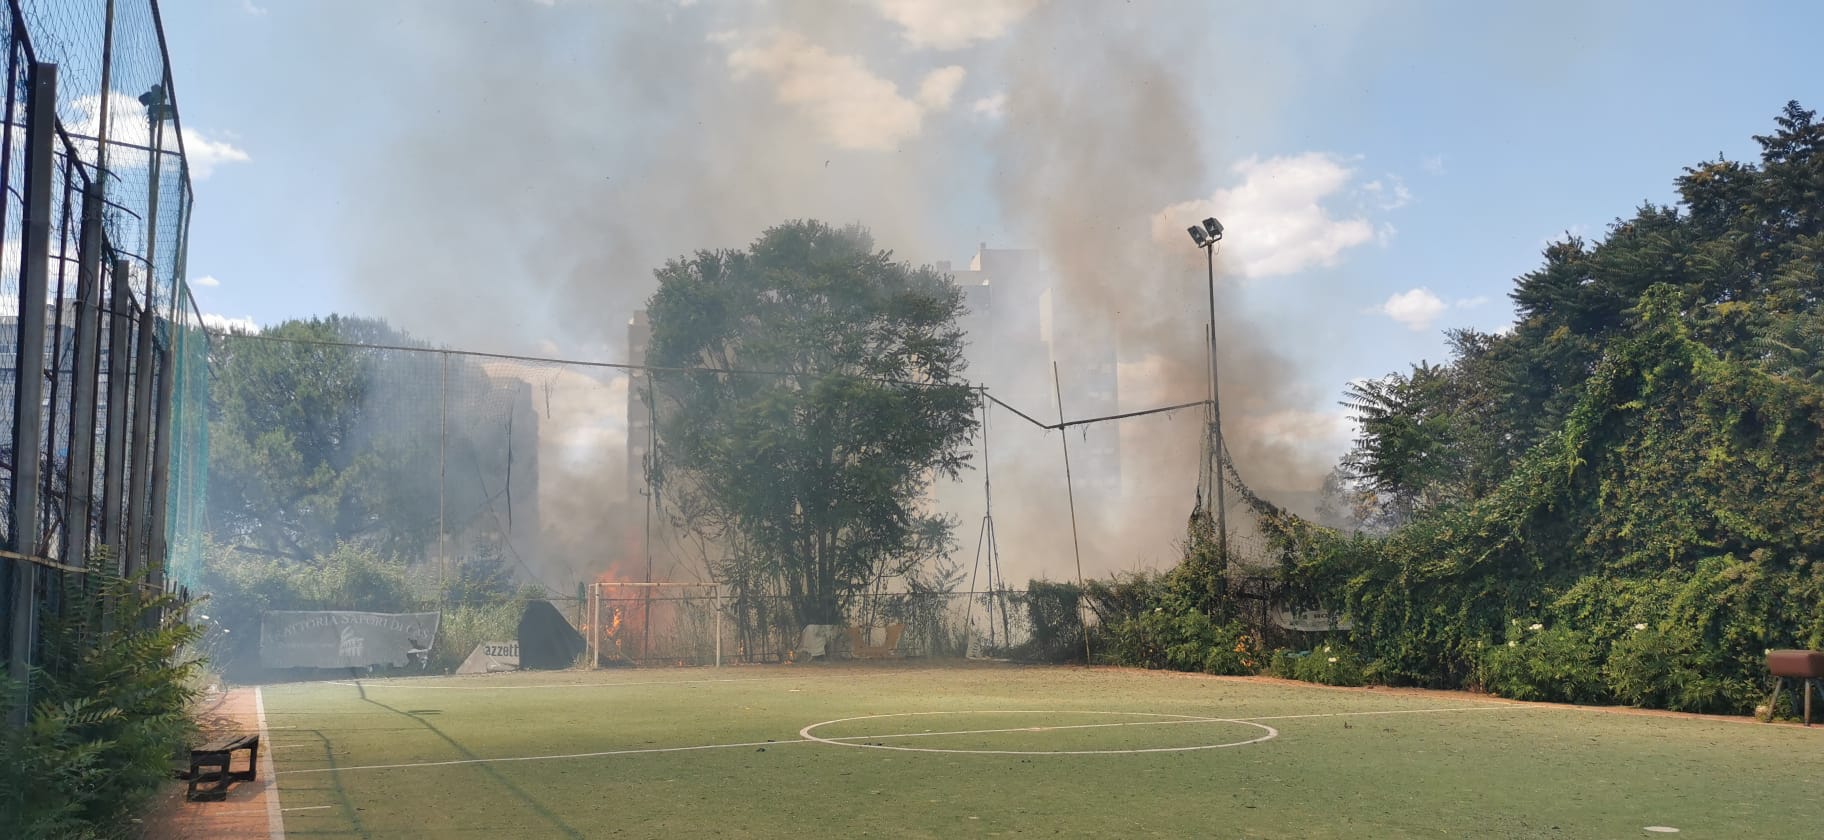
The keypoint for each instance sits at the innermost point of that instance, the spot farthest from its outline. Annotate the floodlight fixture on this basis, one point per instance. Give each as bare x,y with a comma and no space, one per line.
1198,236
1213,227
157,108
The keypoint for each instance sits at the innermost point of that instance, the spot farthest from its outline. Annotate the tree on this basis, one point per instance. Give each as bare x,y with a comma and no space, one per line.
1636,465
811,475
1406,457
315,442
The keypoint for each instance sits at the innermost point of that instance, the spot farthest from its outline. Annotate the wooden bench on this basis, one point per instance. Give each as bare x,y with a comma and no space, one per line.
881,651
211,785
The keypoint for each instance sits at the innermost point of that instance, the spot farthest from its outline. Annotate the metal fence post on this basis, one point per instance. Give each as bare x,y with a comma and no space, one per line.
28,385
158,555
138,500
114,463
81,488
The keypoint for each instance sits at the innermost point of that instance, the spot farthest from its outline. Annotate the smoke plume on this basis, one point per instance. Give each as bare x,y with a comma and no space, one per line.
556,153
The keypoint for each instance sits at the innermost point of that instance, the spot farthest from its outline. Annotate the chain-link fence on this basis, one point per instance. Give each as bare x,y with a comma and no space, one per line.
483,475
700,624
103,384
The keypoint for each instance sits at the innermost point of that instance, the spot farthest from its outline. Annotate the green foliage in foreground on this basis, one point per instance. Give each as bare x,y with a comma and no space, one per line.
109,711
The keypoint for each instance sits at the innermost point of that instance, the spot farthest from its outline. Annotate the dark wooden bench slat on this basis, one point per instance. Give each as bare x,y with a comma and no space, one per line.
218,755
228,744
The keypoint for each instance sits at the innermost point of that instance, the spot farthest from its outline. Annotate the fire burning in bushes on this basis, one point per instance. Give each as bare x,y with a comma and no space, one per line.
623,615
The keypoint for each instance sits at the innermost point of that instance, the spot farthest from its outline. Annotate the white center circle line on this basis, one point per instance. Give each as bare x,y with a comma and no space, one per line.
807,732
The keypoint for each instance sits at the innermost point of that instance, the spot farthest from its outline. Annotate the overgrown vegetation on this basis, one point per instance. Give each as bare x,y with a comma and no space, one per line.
1621,500
109,711
479,600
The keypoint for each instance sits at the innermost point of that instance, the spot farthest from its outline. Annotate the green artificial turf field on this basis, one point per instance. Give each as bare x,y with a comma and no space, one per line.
909,751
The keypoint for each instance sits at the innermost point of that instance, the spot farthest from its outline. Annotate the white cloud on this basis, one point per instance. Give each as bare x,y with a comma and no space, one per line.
1472,302
126,118
127,124
206,281
1390,194
949,24
938,88
1277,216
223,323
992,107
205,154
854,108
1433,165
1416,308
253,8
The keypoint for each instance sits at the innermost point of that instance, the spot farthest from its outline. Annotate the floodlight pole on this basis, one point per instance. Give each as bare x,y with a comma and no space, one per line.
1216,447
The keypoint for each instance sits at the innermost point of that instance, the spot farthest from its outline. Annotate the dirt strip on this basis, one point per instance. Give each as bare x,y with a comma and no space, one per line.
251,809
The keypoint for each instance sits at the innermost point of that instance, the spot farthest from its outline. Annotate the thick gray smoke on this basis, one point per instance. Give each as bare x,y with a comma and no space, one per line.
1102,133
554,154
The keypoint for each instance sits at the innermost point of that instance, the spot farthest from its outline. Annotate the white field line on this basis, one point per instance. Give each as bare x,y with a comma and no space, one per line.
801,740
1030,729
275,817
262,810
448,687
542,757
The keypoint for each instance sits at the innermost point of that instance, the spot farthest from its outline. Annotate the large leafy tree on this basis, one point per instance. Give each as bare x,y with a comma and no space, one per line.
316,442
810,476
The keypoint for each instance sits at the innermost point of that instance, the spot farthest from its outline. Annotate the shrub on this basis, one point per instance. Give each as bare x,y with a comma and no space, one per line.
1234,654
1651,667
111,710
1537,663
1054,610
1327,664
465,626
1184,641
1646,668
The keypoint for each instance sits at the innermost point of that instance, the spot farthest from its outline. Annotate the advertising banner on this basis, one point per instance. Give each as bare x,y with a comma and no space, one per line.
491,657
1315,621
336,639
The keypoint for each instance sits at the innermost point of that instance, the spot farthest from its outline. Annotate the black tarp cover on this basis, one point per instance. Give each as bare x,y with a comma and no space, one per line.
546,640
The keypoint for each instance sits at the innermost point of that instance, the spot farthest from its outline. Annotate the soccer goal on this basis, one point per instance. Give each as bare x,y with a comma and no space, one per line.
657,623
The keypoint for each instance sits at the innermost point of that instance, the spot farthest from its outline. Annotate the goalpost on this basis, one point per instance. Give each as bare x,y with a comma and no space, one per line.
654,623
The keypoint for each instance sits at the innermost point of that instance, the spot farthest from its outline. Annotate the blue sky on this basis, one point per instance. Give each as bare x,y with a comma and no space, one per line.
506,174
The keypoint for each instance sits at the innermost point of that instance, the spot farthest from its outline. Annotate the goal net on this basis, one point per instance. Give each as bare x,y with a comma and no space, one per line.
661,623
